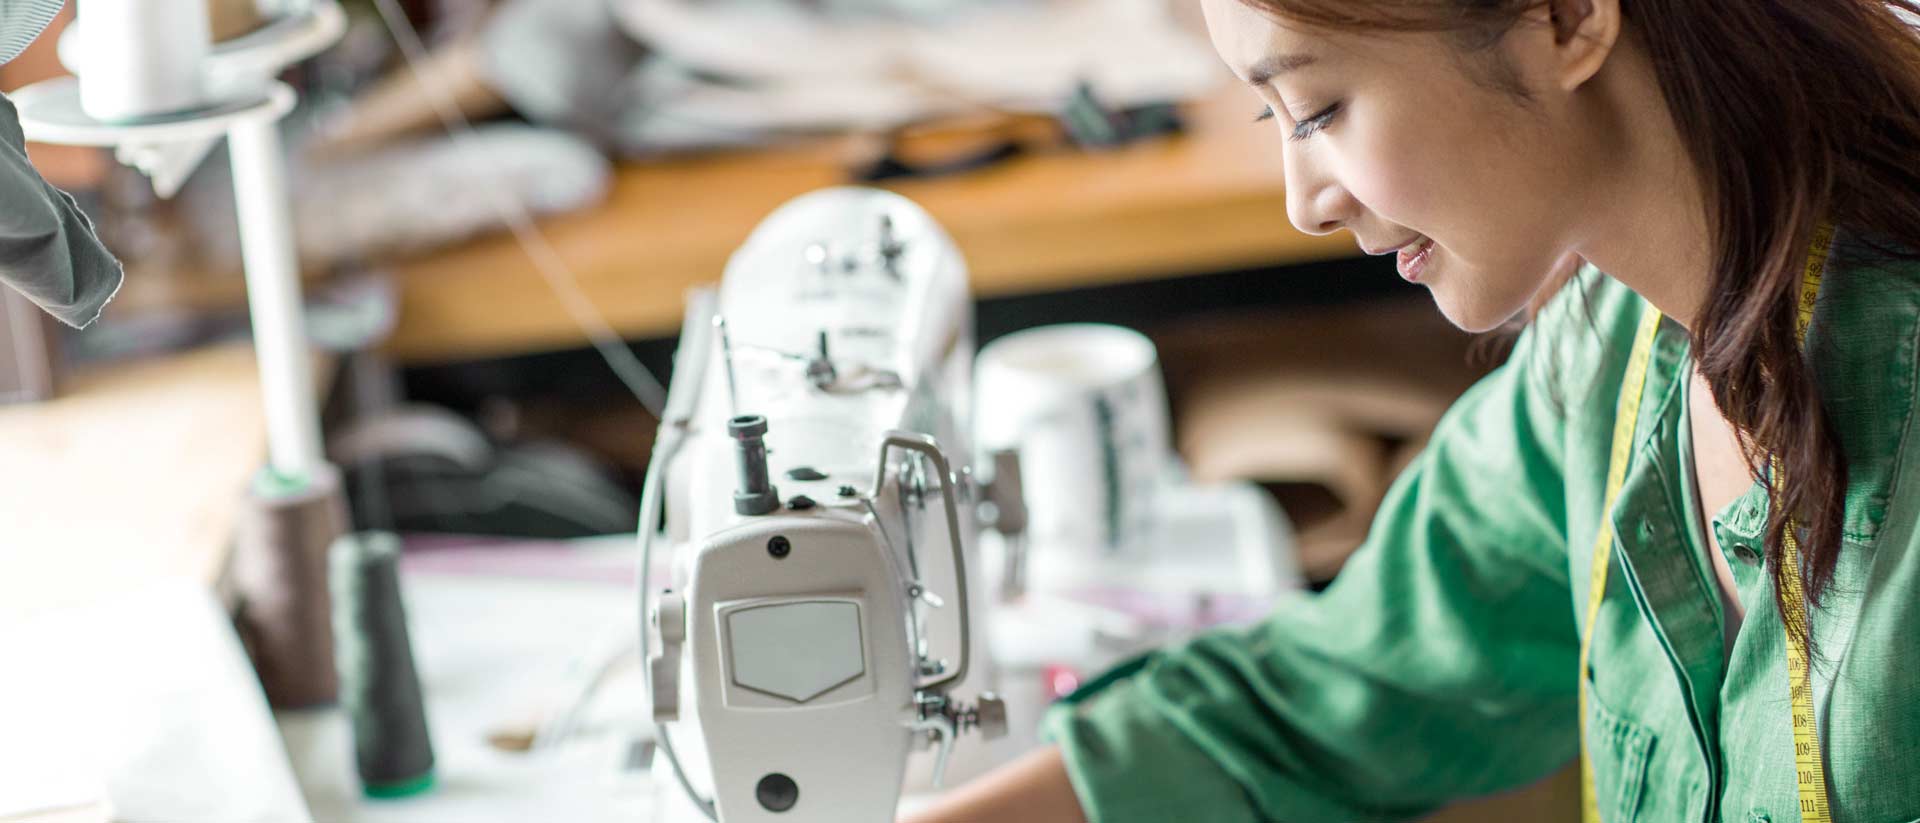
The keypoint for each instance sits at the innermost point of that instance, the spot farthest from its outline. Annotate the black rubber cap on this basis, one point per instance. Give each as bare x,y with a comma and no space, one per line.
747,425
777,792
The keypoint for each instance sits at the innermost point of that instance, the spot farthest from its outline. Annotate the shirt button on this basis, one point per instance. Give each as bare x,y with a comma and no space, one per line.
1757,816
1645,530
1747,554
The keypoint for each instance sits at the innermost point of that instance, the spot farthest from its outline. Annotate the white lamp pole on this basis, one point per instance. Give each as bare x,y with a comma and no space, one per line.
273,298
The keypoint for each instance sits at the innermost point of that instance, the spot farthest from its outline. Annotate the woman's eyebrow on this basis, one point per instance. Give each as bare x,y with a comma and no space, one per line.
1276,65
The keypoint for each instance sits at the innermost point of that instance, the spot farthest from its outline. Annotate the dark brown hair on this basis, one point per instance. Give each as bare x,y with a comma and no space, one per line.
1792,112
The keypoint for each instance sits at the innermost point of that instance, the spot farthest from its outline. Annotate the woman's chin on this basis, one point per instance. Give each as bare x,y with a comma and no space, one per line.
1471,315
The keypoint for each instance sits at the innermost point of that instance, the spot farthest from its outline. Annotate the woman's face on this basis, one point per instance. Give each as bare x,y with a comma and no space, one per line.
1419,148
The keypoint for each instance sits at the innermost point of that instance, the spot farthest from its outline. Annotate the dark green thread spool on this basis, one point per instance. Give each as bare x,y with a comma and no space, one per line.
378,685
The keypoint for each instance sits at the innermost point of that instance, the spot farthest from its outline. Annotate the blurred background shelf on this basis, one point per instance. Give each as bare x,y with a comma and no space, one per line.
1208,200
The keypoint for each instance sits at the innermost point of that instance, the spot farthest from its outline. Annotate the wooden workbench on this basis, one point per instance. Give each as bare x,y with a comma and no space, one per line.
1210,200
135,471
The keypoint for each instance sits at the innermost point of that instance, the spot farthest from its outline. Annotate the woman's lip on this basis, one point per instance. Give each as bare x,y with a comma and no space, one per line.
1417,240
1413,259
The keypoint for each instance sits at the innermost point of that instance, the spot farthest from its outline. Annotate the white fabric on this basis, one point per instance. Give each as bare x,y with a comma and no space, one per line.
150,694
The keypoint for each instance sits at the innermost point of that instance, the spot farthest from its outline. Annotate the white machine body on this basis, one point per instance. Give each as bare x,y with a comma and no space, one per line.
813,646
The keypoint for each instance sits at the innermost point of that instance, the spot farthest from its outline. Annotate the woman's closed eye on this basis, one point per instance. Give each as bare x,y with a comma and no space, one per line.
1306,127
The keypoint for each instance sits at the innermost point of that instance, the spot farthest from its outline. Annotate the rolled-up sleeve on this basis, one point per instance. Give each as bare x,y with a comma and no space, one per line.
1439,665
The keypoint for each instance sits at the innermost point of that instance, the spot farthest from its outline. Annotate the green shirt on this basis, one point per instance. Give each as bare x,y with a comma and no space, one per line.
1442,662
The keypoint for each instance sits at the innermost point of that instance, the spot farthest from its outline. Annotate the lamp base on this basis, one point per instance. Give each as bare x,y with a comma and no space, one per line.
280,573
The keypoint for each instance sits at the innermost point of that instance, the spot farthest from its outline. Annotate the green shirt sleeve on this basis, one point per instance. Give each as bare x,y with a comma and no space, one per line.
1439,665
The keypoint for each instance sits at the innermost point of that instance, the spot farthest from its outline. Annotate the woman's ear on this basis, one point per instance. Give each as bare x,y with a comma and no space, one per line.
1584,34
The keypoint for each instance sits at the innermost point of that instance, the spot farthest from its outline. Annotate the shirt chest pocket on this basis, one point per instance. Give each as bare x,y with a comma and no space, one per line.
1619,749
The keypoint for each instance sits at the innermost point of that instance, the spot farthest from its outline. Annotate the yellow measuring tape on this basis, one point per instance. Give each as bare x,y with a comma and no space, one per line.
1625,415
1810,771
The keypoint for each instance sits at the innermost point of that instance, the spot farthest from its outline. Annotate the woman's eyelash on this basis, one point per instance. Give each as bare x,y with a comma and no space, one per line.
1306,128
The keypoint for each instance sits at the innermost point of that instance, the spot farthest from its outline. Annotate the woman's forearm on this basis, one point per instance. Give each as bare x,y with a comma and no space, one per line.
1032,789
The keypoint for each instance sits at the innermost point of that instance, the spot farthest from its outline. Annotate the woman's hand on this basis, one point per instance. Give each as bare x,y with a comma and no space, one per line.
1033,789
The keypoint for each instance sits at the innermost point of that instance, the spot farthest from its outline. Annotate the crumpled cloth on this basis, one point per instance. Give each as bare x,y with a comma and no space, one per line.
48,249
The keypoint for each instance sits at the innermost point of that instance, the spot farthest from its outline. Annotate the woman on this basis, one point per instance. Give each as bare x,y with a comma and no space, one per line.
1695,152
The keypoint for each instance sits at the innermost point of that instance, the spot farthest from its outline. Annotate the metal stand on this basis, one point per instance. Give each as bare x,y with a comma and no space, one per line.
168,149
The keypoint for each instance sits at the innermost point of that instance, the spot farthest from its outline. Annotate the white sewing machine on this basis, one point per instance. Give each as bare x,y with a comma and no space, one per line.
820,625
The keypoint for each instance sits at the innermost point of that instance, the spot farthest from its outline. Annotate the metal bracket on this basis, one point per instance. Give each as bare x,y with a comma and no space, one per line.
942,719
930,449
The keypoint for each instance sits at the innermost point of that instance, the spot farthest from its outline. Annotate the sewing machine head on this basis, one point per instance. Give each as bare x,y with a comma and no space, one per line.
822,519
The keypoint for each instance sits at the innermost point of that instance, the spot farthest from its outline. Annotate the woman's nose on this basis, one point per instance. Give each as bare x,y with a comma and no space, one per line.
1316,202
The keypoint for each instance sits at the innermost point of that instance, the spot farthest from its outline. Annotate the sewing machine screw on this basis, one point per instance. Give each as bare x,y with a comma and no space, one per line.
919,592
849,491
800,502
779,546
890,247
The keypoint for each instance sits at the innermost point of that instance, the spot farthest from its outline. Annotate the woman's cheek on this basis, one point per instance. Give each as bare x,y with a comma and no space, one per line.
1390,164
1394,189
